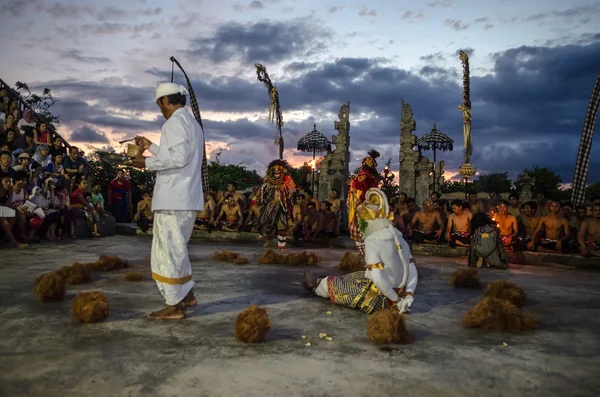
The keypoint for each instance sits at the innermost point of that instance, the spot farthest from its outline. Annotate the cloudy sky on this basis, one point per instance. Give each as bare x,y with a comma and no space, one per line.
533,67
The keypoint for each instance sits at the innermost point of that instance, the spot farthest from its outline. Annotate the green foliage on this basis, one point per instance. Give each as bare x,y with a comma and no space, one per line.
301,175
220,175
496,182
544,179
41,104
592,190
459,186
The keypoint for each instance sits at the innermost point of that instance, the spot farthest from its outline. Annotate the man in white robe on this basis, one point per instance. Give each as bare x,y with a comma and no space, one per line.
390,277
177,198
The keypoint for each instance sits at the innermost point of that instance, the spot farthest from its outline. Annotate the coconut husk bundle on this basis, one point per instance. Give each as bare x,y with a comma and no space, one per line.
252,325
270,257
50,287
506,290
132,275
90,307
229,256
387,326
107,263
351,263
465,278
498,315
75,274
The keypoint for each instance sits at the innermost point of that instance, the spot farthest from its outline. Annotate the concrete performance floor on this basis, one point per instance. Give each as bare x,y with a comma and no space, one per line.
43,352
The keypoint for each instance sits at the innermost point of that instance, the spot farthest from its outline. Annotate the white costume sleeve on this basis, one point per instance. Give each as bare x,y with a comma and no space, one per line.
174,150
374,271
413,278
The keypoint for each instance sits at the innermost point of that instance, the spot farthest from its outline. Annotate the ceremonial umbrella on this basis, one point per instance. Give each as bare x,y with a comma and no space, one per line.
314,142
435,140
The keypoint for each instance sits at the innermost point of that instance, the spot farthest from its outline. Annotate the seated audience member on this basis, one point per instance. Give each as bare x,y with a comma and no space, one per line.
98,199
426,219
28,143
27,123
589,233
10,141
35,177
485,247
493,199
7,223
74,167
398,223
23,162
594,200
577,220
507,224
42,156
16,201
515,207
457,230
81,201
205,219
5,165
57,148
56,170
310,198
232,190
557,232
41,135
313,223
62,202
466,207
401,207
299,216
42,198
144,216
330,220
476,204
527,223
232,213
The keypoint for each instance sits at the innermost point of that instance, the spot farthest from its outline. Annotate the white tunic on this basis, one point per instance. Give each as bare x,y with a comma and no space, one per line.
178,164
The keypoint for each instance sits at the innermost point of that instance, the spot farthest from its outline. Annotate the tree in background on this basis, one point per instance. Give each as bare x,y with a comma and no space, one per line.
495,182
545,179
41,104
220,175
592,190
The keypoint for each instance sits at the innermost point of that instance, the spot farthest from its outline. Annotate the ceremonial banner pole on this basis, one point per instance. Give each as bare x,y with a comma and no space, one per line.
585,147
275,113
196,112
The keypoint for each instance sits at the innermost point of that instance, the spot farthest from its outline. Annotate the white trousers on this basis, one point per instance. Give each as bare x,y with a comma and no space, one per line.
170,262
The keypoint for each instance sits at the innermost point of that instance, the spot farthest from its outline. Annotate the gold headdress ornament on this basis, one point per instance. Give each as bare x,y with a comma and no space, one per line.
375,206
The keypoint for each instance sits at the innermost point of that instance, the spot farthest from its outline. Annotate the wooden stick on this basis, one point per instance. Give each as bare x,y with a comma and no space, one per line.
126,140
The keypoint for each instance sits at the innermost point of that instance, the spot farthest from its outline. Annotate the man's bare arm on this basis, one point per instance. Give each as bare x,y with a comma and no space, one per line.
541,223
583,230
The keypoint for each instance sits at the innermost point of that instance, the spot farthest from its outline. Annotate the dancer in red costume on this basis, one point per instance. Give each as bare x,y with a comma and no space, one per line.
367,178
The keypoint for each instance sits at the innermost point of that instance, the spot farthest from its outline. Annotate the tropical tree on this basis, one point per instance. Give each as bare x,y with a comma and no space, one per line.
495,182
592,190
544,179
41,104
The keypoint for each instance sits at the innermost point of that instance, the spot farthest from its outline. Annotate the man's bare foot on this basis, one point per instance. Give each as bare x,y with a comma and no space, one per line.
189,300
176,312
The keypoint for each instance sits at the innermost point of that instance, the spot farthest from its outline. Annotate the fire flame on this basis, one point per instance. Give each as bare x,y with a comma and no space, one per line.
313,164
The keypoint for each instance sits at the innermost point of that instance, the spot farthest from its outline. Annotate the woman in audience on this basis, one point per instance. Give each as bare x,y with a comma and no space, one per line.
43,198
41,134
42,156
7,223
13,109
11,141
28,143
9,122
16,200
28,120
57,148
84,205
62,202
56,170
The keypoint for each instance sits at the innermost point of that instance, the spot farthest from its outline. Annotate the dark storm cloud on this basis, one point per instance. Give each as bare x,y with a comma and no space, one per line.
88,134
529,111
264,41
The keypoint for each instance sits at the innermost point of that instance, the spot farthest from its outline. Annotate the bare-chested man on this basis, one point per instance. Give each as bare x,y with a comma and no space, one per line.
206,218
457,229
440,206
311,199
401,207
233,215
232,190
515,207
427,231
299,215
557,231
507,224
313,223
527,223
589,233
336,207
253,214
476,204
542,205
412,208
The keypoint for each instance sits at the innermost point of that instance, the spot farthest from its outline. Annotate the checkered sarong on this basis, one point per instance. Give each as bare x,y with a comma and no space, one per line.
355,291
585,148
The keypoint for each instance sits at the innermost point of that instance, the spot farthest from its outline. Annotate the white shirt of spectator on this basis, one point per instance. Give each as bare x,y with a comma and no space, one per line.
23,123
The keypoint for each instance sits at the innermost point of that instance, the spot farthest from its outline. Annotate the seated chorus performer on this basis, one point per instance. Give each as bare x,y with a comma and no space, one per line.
390,269
589,233
458,225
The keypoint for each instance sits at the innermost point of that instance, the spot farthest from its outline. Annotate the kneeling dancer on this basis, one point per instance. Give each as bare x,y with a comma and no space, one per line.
390,276
178,196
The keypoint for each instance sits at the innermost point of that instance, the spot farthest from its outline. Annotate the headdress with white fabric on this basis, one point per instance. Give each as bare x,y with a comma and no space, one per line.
373,215
165,89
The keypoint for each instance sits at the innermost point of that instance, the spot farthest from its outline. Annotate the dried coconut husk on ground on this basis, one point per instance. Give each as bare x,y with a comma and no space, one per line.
498,315
465,278
304,258
387,326
50,287
252,325
351,263
229,256
132,275
75,274
107,263
90,307
506,290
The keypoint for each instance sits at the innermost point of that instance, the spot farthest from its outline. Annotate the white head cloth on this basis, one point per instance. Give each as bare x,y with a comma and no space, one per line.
169,89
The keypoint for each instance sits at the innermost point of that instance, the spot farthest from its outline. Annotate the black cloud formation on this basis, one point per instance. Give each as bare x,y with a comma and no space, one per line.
88,134
528,110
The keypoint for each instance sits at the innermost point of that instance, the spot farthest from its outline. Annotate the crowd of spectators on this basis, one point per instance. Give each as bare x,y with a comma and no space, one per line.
43,185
